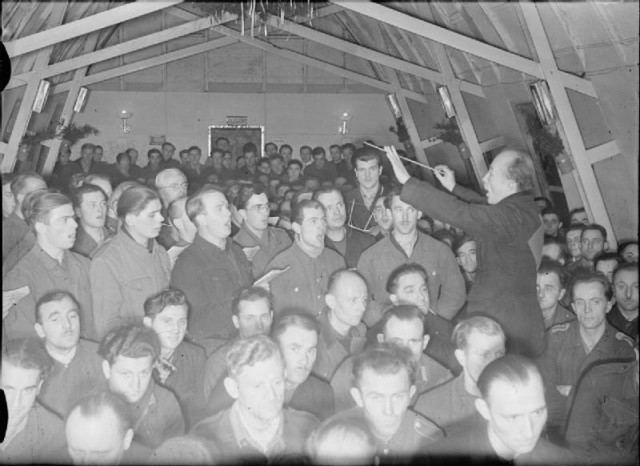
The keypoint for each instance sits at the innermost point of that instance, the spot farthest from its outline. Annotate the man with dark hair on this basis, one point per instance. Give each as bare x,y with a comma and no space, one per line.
342,168
223,143
211,271
551,288
86,163
348,150
305,156
286,152
90,206
134,169
250,169
573,240
509,234
310,263
512,405
478,341
33,434
270,149
260,242
168,149
49,265
406,244
277,166
257,425
573,346
579,215
343,239
361,201
129,354
593,241
321,168
551,223
76,364
624,314
465,249
252,315
543,203
154,166
383,385
99,430
606,263
294,172
628,250
342,332
603,424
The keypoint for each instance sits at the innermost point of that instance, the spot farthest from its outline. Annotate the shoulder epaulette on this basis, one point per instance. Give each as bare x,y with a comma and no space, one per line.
624,337
425,428
560,327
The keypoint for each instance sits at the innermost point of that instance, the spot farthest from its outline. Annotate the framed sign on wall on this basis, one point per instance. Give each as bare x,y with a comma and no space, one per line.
238,136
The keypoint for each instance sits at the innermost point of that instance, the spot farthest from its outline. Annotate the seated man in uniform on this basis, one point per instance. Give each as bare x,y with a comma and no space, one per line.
593,241
90,206
550,284
33,434
573,346
129,353
76,364
479,340
383,385
342,333
603,424
98,430
256,426
624,315
513,409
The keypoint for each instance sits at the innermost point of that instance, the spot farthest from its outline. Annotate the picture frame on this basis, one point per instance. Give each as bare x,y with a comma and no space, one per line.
238,136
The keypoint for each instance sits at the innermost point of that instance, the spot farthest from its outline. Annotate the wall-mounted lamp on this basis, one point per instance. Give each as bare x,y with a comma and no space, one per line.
344,118
125,127
445,100
41,96
542,102
81,100
392,101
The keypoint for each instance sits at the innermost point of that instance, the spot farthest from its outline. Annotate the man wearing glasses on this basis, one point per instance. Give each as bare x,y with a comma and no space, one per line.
259,241
171,184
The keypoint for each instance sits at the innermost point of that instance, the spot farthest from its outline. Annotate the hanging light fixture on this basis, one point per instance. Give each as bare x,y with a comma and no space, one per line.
542,102
344,118
445,100
125,127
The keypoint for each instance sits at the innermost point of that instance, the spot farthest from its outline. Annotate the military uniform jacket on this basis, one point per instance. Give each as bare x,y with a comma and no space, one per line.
356,243
65,385
445,282
42,273
562,316
603,425
358,215
449,405
123,275
211,277
274,241
334,349
41,441
304,285
628,327
227,432
509,236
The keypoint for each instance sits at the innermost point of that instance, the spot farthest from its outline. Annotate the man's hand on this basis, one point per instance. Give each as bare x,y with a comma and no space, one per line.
445,176
402,175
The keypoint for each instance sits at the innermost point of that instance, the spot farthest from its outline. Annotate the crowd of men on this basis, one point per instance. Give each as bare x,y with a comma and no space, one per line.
319,309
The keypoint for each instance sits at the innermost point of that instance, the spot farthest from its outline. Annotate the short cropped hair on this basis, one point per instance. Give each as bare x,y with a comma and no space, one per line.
286,146
520,170
195,204
327,190
297,213
77,195
461,241
546,200
157,303
383,358
625,267
194,148
550,211
221,138
89,179
54,296
625,244
348,145
249,351
95,404
402,270
249,147
276,157
365,154
598,227
27,353
20,183
482,324
246,193
121,156
607,256
393,192
38,206
167,144
134,200
511,368
131,341
575,227
87,145
253,293
584,277
404,313
335,277
295,162
550,266
577,210
318,150
154,151
293,319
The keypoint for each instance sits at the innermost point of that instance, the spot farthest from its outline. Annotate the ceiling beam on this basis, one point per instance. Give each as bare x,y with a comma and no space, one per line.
328,67
123,48
84,26
365,52
463,43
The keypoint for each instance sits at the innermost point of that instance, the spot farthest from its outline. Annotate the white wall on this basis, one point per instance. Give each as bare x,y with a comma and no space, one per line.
184,117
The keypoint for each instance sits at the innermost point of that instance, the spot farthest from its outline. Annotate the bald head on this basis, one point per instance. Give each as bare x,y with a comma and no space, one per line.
510,172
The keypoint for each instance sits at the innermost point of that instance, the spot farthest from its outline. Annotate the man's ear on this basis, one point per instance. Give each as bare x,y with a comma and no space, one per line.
394,299
460,356
563,291
147,321
357,397
610,304
412,391
106,369
482,408
380,338
330,300
606,246
295,226
128,438
425,341
39,227
39,329
243,214
380,170
236,322
232,387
